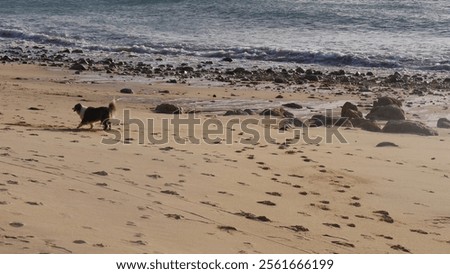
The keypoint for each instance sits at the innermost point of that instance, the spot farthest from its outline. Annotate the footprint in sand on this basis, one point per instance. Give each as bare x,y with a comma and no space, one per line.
209,203
225,193
100,173
296,176
252,216
385,237
34,203
130,223
400,248
297,228
170,192
268,203
323,207
16,224
139,242
79,242
227,228
420,231
343,244
154,176
384,216
332,225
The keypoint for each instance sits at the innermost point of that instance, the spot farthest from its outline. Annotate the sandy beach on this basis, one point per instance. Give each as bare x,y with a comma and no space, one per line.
64,191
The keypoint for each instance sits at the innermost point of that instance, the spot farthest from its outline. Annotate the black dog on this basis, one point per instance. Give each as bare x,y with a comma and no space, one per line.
90,115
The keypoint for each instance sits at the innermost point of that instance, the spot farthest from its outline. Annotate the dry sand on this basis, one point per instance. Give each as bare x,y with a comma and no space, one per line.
63,191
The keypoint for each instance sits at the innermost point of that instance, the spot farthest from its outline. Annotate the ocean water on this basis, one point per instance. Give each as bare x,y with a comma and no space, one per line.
394,34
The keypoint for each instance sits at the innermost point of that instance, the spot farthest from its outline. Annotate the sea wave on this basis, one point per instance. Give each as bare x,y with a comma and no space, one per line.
320,57
40,38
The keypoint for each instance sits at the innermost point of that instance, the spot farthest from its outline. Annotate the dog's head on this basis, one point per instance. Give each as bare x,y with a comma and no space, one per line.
77,108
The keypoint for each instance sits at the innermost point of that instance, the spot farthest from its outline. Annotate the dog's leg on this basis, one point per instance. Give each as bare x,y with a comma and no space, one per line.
106,124
80,125
92,125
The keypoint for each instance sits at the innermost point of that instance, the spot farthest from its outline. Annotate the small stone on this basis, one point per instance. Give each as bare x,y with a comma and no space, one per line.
126,91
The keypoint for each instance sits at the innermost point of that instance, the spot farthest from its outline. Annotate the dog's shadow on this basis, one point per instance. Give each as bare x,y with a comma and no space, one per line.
53,128
71,129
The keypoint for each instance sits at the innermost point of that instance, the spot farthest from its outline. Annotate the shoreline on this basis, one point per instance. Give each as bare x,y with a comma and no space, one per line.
262,197
424,94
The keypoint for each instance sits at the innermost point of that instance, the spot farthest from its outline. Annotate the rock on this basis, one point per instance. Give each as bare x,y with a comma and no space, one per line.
319,120
227,59
279,80
386,144
241,71
235,112
249,111
279,96
293,105
168,109
285,124
365,124
126,91
78,66
410,127
394,78
77,51
312,77
279,112
7,59
350,110
300,70
290,123
386,112
185,69
385,101
443,123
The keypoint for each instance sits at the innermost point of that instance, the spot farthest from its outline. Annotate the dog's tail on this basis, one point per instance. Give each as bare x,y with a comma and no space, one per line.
112,107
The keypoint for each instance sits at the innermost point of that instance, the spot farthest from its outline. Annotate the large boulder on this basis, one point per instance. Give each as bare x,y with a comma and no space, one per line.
278,112
386,113
386,100
350,110
365,124
410,127
443,123
168,109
